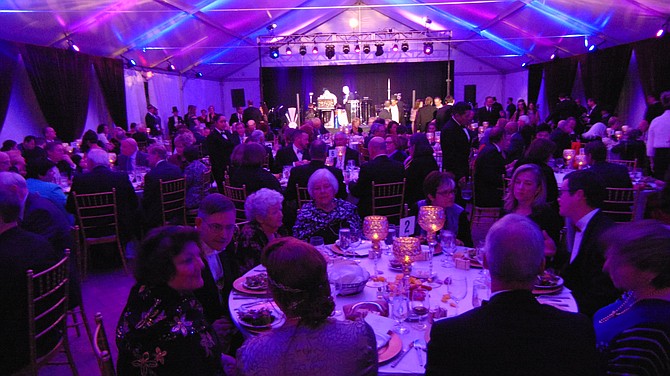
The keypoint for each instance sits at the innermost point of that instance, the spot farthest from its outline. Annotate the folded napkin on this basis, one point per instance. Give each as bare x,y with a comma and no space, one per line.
382,327
359,310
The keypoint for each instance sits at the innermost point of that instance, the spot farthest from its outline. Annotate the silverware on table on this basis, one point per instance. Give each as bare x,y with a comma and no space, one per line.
418,346
395,363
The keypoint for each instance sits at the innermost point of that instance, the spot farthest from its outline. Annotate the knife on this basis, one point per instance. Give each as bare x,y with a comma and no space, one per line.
395,363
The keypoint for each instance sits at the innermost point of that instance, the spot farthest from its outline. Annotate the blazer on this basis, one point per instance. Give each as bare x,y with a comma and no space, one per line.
220,147
254,178
172,124
151,202
286,156
424,116
380,170
513,334
590,285
421,165
300,175
442,116
489,168
123,161
456,148
352,155
490,116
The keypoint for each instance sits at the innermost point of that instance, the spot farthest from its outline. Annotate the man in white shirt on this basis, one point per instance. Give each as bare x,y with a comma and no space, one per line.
658,140
581,195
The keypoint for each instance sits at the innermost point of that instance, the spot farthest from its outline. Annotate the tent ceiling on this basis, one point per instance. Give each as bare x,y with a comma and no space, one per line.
219,37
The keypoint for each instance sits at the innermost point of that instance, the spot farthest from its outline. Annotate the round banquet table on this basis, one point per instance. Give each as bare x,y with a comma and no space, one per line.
409,364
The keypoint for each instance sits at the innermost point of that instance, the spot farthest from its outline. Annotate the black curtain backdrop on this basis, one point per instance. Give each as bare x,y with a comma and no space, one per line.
653,60
280,85
559,76
8,58
534,82
60,80
110,76
603,74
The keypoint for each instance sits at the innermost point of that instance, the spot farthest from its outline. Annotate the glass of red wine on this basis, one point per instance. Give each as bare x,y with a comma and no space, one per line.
420,305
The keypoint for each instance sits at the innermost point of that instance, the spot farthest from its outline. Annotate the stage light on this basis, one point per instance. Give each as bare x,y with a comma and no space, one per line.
554,55
366,48
395,47
315,50
271,26
525,64
404,46
303,50
346,49
664,29
428,48
198,75
357,49
71,46
131,63
427,21
380,49
288,51
353,23
586,41
274,52
330,51
171,67
593,48
660,33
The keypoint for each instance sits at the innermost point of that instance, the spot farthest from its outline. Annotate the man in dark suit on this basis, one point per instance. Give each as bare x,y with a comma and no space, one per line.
385,112
564,109
20,250
612,175
174,121
581,196
424,115
561,137
295,152
161,169
489,171
489,113
153,121
593,114
442,115
130,156
237,116
340,139
380,169
220,146
251,113
513,333
456,141
300,175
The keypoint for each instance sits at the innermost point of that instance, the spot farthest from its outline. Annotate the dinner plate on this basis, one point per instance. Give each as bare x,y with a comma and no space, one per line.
547,291
382,340
559,283
392,349
360,251
240,283
279,316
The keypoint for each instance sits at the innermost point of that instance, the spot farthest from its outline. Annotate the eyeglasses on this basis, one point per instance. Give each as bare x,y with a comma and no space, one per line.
217,227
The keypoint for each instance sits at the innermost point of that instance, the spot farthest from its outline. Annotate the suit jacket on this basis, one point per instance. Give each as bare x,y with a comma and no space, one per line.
562,141
380,170
254,178
613,175
491,116
151,203
456,148
421,165
352,155
489,168
513,335
220,147
20,250
154,123
172,124
300,175
442,116
102,179
123,162
590,285
252,113
385,114
424,116
235,118
286,156
563,110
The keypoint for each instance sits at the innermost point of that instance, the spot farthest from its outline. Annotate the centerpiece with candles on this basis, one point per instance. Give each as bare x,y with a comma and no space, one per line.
568,155
341,152
406,250
431,219
375,228
580,160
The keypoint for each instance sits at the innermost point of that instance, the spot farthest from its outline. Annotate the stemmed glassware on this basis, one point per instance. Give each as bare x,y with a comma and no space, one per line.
388,250
448,243
345,241
400,312
458,288
355,242
431,219
420,304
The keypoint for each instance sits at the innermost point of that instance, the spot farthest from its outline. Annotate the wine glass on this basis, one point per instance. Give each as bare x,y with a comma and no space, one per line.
466,190
479,255
458,288
389,240
345,241
448,243
420,305
356,240
400,312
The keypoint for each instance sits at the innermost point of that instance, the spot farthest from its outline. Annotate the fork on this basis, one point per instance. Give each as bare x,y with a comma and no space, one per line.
418,346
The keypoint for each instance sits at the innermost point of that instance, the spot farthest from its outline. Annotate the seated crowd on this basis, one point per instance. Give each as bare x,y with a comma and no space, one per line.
177,321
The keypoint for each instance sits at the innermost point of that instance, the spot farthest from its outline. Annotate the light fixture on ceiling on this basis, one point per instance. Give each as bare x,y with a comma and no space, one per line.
404,46
274,52
428,48
288,50
366,48
357,49
271,27
427,21
330,51
315,50
198,74
171,67
71,46
380,49
593,48
346,49
303,50
131,63
586,41
525,64
353,22
395,48
554,55
664,29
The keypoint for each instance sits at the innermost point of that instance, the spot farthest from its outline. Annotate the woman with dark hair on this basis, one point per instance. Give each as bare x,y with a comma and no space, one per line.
633,333
40,176
417,166
538,153
521,109
162,330
90,140
8,145
181,142
533,113
309,343
248,159
395,147
440,190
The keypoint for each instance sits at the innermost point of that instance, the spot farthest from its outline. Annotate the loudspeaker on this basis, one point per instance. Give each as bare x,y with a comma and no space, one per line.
470,93
237,96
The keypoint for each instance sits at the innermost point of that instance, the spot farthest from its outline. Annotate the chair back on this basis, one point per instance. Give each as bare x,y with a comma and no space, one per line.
173,196
631,165
47,312
620,204
389,200
303,196
482,220
364,153
238,196
101,348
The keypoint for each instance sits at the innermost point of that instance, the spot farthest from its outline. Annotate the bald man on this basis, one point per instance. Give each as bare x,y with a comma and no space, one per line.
380,169
131,156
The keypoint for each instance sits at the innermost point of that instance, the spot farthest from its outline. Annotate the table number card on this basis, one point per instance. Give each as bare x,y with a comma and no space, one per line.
332,153
406,227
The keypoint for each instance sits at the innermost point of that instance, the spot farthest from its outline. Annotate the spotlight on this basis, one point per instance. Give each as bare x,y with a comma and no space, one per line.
428,48
330,51
198,75
288,51
315,50
71,46
171,67
593,48
660,33
554,55
395,47
427,20
131,63
404,46
303,50
271,26
586,41
366,48
357,49
663,30
346,49
274,52
380,49
525,64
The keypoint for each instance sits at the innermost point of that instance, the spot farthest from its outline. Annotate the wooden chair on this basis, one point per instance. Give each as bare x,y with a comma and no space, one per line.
98,220
389,200
238,196
47,315
631,165
481,222
364,153
620,204
173,196
303,196
191,214
101,348
78,310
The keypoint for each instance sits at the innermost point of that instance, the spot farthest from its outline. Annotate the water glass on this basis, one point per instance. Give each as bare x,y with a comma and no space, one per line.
388,250
400,312
466,190
335,288
345,241
480,292
458,288
448,244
